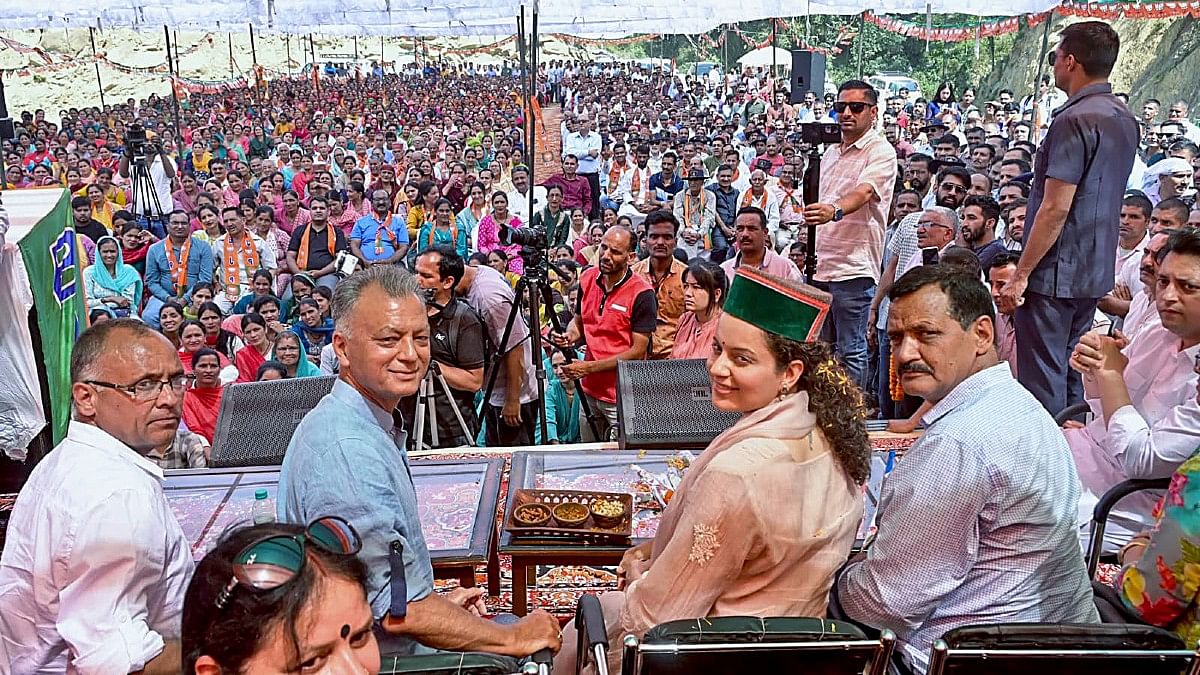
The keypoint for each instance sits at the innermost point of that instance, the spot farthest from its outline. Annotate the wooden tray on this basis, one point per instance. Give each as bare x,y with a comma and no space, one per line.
587,531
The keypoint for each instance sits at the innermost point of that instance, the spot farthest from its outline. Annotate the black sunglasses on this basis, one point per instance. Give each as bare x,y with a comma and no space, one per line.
855,107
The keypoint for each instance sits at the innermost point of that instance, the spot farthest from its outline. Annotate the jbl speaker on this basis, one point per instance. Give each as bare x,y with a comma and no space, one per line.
808,74
668,405
257,419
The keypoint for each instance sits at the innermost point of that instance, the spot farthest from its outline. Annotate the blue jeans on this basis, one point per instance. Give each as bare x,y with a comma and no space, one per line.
846,326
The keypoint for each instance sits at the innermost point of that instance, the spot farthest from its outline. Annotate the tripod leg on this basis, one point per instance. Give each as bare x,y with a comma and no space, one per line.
431,406
419,415
462,422
593,423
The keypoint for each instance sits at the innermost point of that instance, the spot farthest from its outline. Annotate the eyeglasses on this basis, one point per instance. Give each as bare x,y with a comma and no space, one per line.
953,187
276,559
855,107
148,390
921,224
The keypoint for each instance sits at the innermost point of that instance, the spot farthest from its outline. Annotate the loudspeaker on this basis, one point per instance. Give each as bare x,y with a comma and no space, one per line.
668,405
808,74
257,419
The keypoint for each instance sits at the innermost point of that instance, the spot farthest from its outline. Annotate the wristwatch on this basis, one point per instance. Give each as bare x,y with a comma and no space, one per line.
837,214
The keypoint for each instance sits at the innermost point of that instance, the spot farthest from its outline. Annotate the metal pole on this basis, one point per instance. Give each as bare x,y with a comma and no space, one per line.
355,48
287,41
99,82
232,74
774,65
862,28
1041,64
174,94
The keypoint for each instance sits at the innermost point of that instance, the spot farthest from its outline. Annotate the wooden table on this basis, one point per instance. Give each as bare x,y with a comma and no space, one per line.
606,470
457,501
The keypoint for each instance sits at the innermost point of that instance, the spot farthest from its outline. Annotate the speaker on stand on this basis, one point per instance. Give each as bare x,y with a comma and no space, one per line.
808,74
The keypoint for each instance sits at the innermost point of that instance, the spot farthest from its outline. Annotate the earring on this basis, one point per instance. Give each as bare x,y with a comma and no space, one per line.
784,392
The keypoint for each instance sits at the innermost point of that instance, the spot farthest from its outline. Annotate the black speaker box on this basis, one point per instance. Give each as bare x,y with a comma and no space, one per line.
667,405
808,74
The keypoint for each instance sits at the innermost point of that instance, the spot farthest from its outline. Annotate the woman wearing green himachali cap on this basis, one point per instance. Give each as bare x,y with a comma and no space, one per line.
770,510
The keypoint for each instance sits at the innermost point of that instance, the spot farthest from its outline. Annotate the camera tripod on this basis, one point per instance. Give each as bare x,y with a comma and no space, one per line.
536,275
141,183
427,405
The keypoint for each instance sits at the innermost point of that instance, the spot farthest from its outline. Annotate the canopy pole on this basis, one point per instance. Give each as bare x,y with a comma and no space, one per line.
382,68
1038,78
287,41
174,93
862,34
99,82
774,64
527,125
254,70
355,49
232,74
175,39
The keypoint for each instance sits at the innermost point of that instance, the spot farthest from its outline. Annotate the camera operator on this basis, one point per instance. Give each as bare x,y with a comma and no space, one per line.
162,171
511,411
857,179
456,347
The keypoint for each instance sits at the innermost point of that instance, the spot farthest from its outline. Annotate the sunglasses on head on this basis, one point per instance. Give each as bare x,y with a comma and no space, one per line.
276,559
855,107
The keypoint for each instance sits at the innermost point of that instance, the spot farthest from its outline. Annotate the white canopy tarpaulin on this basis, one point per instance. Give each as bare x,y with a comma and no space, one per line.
607,18
763,57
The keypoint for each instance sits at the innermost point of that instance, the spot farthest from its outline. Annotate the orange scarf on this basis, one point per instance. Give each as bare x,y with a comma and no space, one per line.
788,196
237,256
453,236
179,267
687,209
635,189
302,254
614,177
762,202
385,226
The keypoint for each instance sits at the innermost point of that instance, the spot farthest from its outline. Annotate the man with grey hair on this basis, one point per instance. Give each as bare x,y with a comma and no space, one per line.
937,228
347,457
95,568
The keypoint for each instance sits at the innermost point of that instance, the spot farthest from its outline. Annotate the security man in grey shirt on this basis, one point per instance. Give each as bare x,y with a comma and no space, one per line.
1071,238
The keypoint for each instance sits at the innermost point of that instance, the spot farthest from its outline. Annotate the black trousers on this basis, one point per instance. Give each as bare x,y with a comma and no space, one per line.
500,435
593,180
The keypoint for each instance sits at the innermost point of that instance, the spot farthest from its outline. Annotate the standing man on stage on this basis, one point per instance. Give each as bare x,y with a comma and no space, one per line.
1074,215
665,273
94,571
857,179
615,317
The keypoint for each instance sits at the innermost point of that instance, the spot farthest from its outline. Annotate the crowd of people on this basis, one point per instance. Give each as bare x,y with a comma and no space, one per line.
980,266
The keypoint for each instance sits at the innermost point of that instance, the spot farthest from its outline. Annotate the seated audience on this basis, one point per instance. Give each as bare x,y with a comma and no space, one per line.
215,337
258,347
271,370
997,543
202,402
112,283
288,349
704,287
170,321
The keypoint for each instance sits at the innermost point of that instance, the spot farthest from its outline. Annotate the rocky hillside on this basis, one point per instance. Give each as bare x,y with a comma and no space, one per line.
1159,59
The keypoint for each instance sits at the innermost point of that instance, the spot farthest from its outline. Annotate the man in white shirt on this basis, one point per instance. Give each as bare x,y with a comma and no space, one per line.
585,144
518,198
1135,223
94,571
235,266
162,172
1134,385
1142,312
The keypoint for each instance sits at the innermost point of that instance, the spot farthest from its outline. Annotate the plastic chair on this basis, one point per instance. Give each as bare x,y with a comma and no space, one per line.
741,645
1100,514
1071,412
1064,649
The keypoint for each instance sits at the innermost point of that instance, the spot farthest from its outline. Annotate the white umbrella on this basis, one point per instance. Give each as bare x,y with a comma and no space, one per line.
762,57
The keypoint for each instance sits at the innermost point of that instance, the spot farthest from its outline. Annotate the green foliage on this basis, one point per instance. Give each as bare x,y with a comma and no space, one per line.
880,50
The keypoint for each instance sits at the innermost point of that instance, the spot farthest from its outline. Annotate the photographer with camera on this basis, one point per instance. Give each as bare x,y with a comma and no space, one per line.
857,179
149,160
456,346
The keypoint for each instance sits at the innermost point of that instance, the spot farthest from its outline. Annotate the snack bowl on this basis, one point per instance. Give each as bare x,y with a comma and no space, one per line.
570,514
531,515
607,513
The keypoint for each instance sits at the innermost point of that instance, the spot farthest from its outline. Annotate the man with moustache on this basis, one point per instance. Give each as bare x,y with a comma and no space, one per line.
1133,235
1142,311
239,254
750,232
95,567
347,457
615,317
175,265
665,273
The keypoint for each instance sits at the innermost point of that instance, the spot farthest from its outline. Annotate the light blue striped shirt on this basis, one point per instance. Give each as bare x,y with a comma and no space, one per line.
976,524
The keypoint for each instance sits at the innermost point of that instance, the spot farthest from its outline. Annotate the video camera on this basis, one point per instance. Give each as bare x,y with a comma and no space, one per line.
137,143
820,133
530,237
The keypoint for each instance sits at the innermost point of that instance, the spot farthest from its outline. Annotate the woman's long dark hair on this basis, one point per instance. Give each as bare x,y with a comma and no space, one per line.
833,397
232,635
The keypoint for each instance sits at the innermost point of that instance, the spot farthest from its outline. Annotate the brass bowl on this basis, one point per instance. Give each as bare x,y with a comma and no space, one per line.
570,514
531,515
611,513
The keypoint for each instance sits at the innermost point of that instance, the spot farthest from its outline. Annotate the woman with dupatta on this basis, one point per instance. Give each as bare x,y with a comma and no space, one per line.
112,283
767,514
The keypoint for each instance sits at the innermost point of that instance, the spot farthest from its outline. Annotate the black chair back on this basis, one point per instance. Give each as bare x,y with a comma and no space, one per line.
752,645
448,664
1061,649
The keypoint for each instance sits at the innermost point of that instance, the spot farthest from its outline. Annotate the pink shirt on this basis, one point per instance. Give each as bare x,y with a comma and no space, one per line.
772,263
694,340
853,247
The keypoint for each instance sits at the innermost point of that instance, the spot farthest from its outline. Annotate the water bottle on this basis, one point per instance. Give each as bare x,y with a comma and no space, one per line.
264,510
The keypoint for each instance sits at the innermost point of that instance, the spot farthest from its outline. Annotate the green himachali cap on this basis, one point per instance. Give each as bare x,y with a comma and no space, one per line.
780,306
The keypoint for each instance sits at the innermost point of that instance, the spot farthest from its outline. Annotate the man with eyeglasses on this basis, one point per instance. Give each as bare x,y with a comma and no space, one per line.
857,179
94,571
1070,244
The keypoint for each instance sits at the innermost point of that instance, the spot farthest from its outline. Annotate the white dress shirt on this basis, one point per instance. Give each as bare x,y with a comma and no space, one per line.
580,146
1142,314
1160,378
95,567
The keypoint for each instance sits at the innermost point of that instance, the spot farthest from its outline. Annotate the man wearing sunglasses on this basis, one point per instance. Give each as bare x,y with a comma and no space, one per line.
857,179
95,567
1070,243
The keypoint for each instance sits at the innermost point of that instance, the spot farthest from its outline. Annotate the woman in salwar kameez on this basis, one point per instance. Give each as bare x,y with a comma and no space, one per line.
767,514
